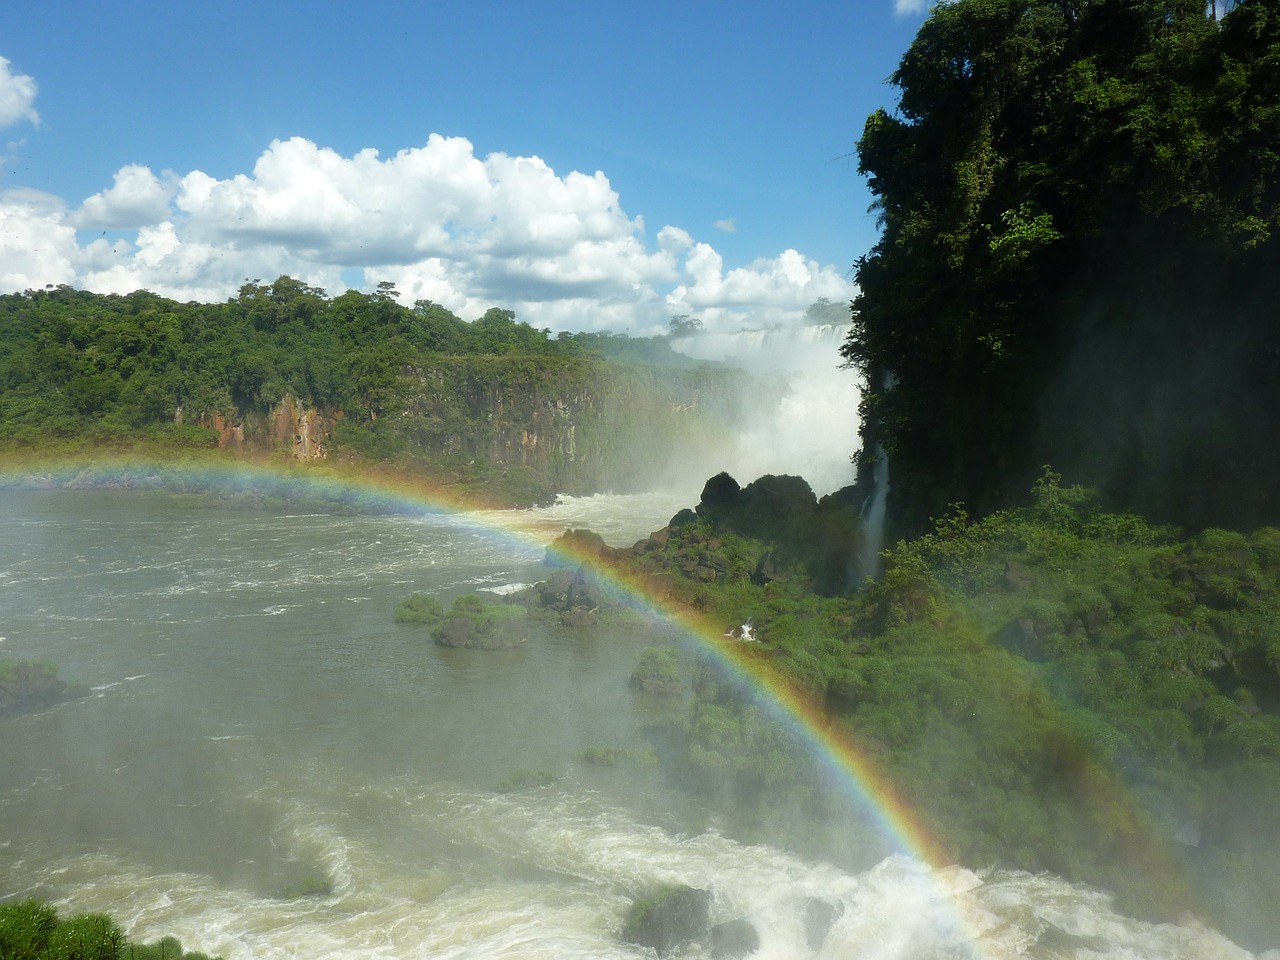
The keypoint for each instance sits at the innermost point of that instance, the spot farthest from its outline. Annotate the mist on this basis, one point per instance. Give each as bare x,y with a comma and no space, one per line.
812,429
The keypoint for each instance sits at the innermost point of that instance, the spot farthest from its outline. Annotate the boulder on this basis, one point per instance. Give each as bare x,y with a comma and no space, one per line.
819,917
669,919
719,497
734,939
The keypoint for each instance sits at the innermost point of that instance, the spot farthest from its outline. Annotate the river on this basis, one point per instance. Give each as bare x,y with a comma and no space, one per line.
269,767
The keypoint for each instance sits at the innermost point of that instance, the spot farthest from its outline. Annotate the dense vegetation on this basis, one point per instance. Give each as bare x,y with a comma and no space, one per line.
1055,687
1080,202
492,401
32,930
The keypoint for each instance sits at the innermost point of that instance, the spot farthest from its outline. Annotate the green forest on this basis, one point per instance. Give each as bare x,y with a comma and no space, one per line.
283,371
1080,204
1069,660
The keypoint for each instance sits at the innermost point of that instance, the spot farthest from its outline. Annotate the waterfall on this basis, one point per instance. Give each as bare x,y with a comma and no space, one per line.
814,429
873,512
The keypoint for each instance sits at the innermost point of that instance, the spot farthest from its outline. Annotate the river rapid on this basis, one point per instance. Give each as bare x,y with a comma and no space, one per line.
269,767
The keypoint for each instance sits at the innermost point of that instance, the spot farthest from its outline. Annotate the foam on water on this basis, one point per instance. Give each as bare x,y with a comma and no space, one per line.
565,867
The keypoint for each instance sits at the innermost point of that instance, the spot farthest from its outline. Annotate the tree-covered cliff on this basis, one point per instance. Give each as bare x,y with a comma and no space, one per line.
281,369
1080,201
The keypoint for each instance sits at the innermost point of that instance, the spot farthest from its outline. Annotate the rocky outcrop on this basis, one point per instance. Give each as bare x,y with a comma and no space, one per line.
475,622
26,685
669,919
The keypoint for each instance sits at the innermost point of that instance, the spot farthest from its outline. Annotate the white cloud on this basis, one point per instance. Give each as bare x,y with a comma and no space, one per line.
769,292
36,247
728,225
438,221
137,199
17,96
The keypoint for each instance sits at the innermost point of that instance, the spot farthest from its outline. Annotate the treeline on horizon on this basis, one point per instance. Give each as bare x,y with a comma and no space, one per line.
516,413
1080,201
75,363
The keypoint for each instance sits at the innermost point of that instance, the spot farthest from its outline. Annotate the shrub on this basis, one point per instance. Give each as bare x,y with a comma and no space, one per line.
657,672
420,608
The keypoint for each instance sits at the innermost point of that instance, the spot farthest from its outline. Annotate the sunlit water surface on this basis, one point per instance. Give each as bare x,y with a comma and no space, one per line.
259,726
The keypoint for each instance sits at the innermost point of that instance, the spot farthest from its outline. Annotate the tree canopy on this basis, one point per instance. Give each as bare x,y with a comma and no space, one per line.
1080,202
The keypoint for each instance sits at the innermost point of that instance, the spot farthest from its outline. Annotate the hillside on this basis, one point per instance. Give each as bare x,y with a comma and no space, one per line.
283,371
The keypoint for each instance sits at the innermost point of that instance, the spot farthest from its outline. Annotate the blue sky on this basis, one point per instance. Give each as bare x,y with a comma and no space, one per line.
592,166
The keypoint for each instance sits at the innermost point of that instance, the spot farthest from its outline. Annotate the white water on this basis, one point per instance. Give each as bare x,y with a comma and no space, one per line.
257,719
815,429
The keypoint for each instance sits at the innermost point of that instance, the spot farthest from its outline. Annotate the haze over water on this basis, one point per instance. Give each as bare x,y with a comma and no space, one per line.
259,726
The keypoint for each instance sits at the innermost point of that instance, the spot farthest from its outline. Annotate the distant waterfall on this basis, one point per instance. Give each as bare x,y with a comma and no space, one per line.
814,431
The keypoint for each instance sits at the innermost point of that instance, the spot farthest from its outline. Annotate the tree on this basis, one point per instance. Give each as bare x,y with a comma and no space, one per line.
1068,191
685,326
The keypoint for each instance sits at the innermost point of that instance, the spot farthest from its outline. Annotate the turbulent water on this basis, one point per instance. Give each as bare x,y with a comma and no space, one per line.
259,728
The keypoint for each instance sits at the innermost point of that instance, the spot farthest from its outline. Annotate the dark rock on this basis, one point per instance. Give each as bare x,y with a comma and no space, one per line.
659,538
574,546
775,504
719,497
819,917
683,518
733,939
669,919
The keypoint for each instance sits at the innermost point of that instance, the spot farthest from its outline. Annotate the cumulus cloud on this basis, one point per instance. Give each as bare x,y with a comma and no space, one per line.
17,96
728,225
769,292
138,198
438,221
36,246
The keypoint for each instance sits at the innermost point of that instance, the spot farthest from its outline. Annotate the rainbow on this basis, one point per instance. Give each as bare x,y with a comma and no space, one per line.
260,482
860,779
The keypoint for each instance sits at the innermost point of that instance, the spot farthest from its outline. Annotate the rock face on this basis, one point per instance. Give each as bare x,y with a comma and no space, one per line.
303,431
669,919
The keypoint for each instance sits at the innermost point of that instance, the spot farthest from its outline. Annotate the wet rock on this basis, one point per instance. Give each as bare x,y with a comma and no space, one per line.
669,919
719,497
733,939
819,917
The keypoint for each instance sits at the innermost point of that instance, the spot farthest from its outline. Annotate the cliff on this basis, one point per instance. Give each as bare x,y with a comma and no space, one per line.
546,425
